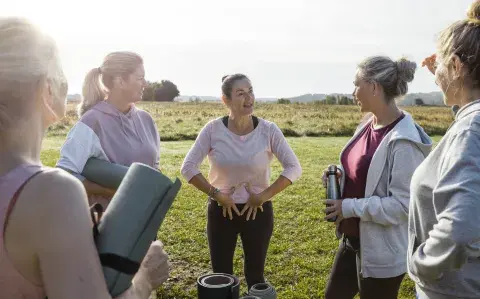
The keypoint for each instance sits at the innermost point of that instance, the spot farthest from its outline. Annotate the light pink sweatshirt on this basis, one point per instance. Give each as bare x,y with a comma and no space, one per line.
237,160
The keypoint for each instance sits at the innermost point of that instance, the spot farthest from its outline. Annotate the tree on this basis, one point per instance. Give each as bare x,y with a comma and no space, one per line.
330,100
166,92
419,102
343,100
283,101
149,91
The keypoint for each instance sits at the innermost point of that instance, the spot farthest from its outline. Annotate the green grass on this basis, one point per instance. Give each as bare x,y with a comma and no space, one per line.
302,247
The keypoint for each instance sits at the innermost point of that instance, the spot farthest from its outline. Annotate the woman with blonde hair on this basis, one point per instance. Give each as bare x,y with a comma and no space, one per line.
111,127
444,228
46,241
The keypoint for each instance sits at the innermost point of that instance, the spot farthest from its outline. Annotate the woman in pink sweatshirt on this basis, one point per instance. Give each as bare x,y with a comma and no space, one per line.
240,148
111,128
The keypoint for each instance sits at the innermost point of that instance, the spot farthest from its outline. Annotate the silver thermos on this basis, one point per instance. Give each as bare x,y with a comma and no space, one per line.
333,186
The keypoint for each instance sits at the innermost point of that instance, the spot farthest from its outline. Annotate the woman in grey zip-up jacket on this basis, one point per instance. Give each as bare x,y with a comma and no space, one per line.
444,221
376,167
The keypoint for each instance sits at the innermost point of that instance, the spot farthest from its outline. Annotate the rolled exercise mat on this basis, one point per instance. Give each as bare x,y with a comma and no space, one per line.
263,291
218,286
250,297
131,222
104,173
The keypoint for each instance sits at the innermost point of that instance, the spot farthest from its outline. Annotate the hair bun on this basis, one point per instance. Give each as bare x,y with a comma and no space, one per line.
406,69
473,12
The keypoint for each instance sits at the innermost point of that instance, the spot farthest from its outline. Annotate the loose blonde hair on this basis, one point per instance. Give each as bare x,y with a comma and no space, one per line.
462,38
99,81
27,58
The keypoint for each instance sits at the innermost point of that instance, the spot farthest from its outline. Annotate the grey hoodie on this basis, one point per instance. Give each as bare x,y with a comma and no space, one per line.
444,221
383,212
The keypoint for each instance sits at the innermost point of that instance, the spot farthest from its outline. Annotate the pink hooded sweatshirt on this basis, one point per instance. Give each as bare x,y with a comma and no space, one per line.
106,133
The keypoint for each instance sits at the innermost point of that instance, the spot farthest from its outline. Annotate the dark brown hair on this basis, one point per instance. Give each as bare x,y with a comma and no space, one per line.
229,80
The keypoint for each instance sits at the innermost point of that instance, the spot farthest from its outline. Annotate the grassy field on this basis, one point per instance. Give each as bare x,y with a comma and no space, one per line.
303,244
182,121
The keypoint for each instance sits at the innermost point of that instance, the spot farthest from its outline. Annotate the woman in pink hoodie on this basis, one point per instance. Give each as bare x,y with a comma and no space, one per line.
111,128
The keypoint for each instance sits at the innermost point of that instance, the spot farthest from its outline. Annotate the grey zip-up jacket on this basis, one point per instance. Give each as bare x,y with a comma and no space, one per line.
383,212
444,221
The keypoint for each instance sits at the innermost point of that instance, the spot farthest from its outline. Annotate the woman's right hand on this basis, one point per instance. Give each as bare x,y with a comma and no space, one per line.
153,272
430,63
227,203
324,176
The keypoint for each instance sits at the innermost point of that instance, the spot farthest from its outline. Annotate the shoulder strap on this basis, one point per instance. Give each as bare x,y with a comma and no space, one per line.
14,199
255,121
225,120
254,118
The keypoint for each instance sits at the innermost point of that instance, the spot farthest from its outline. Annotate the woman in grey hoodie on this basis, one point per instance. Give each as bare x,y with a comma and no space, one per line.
444,221
376,166
110,126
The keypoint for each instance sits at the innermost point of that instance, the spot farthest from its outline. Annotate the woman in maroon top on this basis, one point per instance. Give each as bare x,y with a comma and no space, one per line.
376,166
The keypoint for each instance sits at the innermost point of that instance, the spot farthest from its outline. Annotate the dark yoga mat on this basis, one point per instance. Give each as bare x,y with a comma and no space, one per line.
104,173
218,286
131,221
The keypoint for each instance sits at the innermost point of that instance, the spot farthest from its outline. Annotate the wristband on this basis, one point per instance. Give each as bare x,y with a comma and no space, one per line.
215,191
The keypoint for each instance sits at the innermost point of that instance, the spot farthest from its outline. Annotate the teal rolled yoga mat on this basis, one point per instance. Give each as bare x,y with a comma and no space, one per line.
104,173
131,221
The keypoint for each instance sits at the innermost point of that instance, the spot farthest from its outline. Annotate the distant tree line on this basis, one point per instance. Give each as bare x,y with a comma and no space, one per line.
329,100
163,91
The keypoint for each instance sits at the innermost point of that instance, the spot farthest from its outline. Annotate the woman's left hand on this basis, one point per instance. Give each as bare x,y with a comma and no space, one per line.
255,202
334,208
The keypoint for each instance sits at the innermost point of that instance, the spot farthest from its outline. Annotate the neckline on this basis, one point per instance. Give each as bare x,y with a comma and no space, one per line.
243,137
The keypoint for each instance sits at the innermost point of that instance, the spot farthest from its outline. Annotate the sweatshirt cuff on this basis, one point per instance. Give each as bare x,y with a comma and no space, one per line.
292,174
189,174
347,208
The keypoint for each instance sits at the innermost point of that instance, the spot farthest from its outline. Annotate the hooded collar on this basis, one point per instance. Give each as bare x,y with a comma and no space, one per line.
467,109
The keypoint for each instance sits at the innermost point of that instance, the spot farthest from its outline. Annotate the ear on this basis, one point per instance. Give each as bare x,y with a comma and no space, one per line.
373,86
458,67
225,100
47,93
119,82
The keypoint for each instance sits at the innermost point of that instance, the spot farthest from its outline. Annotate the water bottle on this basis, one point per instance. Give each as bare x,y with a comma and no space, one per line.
333,187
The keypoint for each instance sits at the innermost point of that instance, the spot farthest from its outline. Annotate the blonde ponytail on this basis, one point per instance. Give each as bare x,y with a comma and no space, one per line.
93,91
99,81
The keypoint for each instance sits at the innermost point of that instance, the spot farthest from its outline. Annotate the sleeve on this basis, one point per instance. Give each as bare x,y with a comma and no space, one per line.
455,237
197,153
393,209
81,144
292,169
157,141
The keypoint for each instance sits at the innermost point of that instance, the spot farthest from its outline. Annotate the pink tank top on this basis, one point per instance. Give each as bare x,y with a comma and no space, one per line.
12,283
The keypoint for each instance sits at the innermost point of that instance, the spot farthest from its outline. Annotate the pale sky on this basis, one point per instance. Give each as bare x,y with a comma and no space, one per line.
287,47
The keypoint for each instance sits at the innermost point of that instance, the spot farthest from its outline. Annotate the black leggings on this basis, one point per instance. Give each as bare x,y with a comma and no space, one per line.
255,234
345,283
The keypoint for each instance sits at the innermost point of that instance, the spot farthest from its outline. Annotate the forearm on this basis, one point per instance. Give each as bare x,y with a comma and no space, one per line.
280,184
95,189
201,183
138,290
